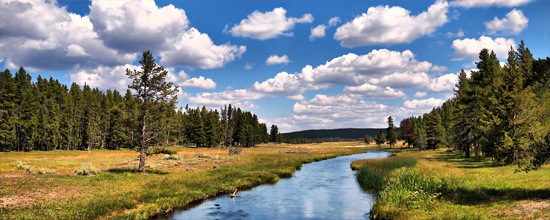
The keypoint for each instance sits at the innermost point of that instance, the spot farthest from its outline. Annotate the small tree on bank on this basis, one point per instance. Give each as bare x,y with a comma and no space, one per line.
391,133
380,138
368,139
153,91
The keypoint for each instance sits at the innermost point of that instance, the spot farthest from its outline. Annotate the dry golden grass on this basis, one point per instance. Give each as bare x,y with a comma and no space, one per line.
119,192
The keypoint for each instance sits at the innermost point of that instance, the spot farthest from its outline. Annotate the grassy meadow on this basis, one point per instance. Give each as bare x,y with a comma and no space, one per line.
442,184
118,192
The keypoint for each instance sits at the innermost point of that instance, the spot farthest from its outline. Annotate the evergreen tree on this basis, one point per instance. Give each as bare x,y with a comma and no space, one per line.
274,134
434,130
391,133
368,139
380,139
152,90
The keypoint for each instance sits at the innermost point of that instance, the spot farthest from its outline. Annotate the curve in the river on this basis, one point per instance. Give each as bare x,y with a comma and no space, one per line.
326,189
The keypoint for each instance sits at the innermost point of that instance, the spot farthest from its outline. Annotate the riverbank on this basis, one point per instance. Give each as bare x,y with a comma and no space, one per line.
118,192
443,185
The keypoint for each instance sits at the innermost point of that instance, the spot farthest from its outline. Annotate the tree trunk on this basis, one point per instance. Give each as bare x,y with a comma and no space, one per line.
142,154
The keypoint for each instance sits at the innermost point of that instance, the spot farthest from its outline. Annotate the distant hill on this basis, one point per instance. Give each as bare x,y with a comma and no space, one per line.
343,133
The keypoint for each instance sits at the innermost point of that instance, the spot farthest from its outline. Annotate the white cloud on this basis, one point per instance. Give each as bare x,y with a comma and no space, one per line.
439,69
470,47
372,91
195,49
275,60
391,25
426,104
238,97
200,82
420,94
42,35
488,3
104,78
323,111
381,68
320,30
333,21
514,23
248,66
443,84
266,25
458,34
135,26
298,97
317,32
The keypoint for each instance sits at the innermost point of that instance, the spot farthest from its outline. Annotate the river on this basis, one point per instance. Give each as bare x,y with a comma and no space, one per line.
326,189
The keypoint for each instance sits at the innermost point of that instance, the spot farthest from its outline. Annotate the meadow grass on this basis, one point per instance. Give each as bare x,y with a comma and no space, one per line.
119,192
444,185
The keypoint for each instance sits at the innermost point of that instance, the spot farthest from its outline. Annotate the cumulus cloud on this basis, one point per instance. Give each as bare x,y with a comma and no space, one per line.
237,97
488,3
266,25
104,77
136,25
420,94
382,68
514,23
391,25
426,104
337,111
458,34
195,49
470,47
275,60
42,35
372,91
443,84
200,82
318,32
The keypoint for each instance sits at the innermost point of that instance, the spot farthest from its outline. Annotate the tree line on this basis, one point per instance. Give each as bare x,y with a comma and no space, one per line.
47,115
500,112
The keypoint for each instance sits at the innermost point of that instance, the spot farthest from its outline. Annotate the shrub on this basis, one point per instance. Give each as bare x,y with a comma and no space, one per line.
170,157
87,169
159,150
235,150
29,169
45,171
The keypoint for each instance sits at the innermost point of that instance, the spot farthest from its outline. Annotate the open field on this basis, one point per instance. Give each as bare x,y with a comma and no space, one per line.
443,185
118,192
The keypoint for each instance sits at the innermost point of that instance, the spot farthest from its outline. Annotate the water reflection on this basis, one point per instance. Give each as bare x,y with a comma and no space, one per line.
322,190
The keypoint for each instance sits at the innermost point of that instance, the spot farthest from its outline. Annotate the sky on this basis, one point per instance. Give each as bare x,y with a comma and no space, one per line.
297,64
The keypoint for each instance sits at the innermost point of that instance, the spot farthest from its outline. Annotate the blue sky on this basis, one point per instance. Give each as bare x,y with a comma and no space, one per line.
297,64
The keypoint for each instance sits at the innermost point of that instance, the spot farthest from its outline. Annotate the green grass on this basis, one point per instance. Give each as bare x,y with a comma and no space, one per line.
444,185
119,192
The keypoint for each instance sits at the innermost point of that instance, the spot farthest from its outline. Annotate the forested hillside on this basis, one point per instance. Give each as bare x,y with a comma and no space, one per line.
344,134
47,115
500,111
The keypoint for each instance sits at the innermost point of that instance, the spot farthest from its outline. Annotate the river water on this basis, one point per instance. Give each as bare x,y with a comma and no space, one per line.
326,189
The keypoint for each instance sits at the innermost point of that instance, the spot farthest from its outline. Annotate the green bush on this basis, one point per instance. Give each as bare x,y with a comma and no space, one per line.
45,171
87,169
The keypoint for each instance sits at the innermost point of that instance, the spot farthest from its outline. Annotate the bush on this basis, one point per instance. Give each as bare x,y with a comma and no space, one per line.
170,157
29,169
159,150
87,169
235,150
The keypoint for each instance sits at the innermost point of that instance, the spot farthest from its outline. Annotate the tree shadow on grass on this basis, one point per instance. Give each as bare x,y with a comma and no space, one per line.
482,196
455,159
130,170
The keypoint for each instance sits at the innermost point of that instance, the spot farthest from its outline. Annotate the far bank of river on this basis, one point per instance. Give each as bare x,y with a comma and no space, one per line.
325,189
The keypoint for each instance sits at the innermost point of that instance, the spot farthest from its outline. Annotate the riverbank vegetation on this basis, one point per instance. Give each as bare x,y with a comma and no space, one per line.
442,184
118,191
499,111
